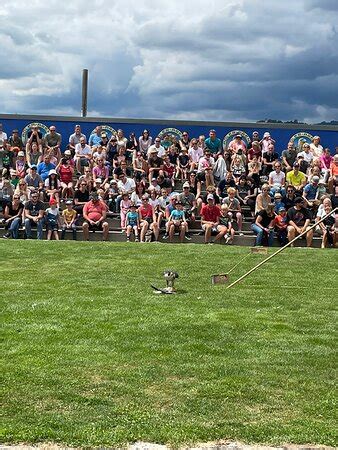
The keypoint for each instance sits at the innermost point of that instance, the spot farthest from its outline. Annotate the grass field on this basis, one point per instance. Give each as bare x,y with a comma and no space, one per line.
91,357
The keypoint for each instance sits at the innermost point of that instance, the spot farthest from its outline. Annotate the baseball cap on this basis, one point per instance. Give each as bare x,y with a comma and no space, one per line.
299,200
34,166
94,196
266,134
295,164
68,152
69,202
21,153
281,209
186,185
315,179
52,201
210,197
52,172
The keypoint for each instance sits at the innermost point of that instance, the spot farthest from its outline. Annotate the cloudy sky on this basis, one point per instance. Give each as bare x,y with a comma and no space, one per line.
186,59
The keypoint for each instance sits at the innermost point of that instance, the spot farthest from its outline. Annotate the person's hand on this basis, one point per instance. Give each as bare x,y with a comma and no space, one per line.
299,230
92,222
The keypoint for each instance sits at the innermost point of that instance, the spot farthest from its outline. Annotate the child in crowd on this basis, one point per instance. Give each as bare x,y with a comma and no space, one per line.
124,208
132,222
20,165
281,225
177,222
278,202
52,220
69,217
225,219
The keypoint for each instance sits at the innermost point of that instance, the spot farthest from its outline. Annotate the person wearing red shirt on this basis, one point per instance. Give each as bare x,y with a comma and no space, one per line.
210,214
147,219
66,171
94,214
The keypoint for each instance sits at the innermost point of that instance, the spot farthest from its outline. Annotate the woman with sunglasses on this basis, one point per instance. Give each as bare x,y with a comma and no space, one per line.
147,219
22,191
12,217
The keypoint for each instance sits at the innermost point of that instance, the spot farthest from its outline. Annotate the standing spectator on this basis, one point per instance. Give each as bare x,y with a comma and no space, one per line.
298,218
264,225
12,217
145,141
52,219
213,143
34,216
94,214
281,226
210,215
74,138
289,157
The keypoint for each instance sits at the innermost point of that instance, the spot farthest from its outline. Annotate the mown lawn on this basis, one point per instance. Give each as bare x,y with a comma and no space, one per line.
91,357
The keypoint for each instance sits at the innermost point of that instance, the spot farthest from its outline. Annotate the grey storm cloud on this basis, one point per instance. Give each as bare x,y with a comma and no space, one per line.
192,59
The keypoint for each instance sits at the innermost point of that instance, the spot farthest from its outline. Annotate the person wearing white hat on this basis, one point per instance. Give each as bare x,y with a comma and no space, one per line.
266,141
53,186
315,147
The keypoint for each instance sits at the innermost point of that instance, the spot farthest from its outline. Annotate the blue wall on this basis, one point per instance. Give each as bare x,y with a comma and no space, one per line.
329,138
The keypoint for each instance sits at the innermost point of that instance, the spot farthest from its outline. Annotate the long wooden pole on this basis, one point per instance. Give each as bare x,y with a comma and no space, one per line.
280,250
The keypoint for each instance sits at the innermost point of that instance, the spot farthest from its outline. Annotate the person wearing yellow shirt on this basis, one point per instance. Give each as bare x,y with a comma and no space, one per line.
69,216
296,178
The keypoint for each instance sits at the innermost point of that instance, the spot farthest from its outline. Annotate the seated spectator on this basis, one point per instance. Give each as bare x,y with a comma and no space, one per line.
83,155
269,159
147,219
155,164
136,196
225,220
333,174
182,164
95,138
20,165
74,138
22,191
316,147
124,208
266,141
277,180
66,172
298,218
156,148
99,152
33,155
53,186
254,170
52,220
121,139
255,138
53,142
140,166
264,225
120,157
234,206
213,143
306,153
325,163
111,150
69,220
289,157
34,216
281,226
12,217
45,167
81,196
210,215
125,185
236,144
173,154
225,184
255,151
263,199
101,171
177,222
184,142
242,190
33,180
132,222
195,153
296,178
310,193
34,135
329,226
220,169
188,201
112,194
15,141
168,170
94,214
289,198
145,141
205,168
237,168
278,203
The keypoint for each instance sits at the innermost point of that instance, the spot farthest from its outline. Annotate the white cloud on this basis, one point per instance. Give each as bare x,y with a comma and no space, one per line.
217,60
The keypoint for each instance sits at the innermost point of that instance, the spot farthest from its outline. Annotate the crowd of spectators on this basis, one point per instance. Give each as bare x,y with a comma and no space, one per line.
166,183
